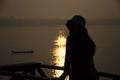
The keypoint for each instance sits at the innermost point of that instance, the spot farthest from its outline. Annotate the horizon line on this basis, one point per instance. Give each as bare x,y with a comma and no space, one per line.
53,22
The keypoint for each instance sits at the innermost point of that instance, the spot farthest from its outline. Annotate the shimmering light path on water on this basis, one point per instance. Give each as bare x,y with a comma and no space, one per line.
59,53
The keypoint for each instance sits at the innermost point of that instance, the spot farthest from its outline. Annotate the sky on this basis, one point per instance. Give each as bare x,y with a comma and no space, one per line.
64,9
103,17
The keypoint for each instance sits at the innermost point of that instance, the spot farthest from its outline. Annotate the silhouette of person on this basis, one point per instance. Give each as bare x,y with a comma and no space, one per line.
80,50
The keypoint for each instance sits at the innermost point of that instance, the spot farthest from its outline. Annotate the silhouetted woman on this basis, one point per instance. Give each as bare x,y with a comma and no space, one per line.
80,50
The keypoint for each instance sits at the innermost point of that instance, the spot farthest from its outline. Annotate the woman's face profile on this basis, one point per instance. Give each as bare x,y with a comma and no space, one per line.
69,23
72,26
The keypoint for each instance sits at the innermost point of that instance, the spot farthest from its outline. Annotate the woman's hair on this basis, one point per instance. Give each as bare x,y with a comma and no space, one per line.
77,19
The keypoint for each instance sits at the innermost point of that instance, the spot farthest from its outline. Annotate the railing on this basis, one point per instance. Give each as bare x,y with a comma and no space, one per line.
28,72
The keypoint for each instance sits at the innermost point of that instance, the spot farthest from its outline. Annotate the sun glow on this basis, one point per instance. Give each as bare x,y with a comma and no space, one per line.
59,53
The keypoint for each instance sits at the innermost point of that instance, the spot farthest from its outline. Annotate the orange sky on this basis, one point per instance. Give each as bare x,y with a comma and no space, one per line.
91,9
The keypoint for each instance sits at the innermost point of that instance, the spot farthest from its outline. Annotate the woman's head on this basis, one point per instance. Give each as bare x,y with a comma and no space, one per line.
77,22
77,19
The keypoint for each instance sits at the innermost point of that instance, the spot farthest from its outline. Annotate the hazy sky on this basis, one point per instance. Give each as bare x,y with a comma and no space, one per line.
40,39
60,8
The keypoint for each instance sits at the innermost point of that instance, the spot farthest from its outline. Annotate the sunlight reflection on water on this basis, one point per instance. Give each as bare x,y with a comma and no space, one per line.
59,53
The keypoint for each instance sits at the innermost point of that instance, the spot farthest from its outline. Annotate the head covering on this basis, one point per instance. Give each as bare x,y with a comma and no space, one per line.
77,19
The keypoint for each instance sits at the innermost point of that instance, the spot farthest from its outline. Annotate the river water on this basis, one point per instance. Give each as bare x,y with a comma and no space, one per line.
48,44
